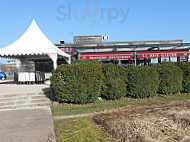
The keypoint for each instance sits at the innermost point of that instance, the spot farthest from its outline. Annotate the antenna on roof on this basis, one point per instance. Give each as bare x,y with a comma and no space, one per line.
73,35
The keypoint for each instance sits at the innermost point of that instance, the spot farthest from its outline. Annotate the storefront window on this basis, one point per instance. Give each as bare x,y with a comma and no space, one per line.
125,62
140,62
183,59
165,59
107,61
153,61
173,59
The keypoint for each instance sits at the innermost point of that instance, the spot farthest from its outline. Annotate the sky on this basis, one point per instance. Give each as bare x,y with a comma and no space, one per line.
121,20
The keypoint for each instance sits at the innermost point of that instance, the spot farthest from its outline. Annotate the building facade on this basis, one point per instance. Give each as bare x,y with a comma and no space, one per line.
12,66
142,53
145,53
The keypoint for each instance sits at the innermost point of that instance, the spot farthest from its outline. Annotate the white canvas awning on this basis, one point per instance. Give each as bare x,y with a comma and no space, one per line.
33,44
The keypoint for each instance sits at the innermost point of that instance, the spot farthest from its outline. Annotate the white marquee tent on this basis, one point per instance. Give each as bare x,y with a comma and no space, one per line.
33,44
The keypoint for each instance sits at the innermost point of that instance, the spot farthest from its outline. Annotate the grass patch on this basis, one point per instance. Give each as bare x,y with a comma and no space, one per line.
10,77
79,130
71,109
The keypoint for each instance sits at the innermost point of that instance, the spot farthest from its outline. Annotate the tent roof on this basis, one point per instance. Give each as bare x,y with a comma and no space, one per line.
32,43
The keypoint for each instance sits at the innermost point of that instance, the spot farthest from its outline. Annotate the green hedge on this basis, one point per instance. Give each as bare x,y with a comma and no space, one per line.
185,66
85,80
171,77
143,81
79,82
114,86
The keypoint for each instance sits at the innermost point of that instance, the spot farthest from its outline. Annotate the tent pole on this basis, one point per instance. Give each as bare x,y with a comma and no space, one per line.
54,64
53,57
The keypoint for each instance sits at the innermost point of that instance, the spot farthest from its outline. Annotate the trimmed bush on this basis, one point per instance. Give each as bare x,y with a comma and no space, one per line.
185,66
114,86
85,80
124,71
171,77
79,82
143,81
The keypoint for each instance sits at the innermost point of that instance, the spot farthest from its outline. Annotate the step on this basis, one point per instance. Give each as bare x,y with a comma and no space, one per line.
35,97
6,103
24,105
25,94
24,102
38,97
17,101
40,100
11,101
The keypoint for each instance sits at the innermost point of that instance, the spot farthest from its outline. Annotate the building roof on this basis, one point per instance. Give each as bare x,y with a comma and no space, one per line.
127,46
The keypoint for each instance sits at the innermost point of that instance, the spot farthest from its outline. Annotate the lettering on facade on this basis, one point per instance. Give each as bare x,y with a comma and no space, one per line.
107,57
159,55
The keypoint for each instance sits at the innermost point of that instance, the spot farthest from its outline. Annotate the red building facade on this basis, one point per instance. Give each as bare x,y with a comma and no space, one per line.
124,53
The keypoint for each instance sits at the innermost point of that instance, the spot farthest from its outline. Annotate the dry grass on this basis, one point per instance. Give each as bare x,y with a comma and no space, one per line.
10,77
164,122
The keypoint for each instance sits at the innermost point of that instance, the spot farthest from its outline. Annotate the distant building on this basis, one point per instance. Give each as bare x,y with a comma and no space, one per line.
146,53
12,66
2,68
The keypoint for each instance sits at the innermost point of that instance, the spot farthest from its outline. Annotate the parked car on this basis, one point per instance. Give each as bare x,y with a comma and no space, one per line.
3,76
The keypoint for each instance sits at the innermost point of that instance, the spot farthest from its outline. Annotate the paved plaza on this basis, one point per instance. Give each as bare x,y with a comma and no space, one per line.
27,125
9,87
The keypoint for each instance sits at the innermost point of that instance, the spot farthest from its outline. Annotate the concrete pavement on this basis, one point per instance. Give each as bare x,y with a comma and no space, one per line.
13,95
19,122
9,87
27,125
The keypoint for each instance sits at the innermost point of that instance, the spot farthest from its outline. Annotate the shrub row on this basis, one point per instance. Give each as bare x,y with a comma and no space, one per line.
171,77
114,85
185,66
85,80
143,81
79,82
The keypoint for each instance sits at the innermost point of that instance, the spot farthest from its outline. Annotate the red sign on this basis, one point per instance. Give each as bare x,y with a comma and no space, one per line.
67,50
161,54
106,55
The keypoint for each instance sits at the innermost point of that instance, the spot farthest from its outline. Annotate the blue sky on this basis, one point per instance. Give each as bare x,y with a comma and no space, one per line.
122,20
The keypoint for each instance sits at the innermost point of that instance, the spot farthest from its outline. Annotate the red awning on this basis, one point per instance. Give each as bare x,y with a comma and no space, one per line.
106,55
67,50
160,54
